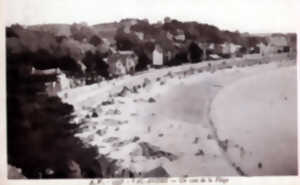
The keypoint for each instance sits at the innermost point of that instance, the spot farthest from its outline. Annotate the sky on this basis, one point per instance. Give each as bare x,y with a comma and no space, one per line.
253,16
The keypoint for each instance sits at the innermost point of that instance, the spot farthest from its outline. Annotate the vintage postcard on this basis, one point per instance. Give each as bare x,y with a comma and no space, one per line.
138,91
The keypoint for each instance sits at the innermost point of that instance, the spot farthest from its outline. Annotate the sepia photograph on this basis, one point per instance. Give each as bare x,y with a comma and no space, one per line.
150,89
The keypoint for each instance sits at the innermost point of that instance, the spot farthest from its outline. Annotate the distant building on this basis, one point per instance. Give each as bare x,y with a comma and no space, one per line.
122,62
170,36
157,56
205,47
127,29
180,36
264,49
278,43
140,35
55,80
226,49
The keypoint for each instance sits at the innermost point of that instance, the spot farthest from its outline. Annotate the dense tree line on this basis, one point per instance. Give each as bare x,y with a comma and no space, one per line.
60,51
40,130
183,52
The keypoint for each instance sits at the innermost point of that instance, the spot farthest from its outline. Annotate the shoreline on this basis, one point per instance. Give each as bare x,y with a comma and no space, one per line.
125,116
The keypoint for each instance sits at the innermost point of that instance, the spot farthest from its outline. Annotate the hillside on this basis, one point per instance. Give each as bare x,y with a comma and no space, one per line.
55,29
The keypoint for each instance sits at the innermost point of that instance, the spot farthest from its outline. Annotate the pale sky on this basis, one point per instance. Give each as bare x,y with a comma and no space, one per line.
255,16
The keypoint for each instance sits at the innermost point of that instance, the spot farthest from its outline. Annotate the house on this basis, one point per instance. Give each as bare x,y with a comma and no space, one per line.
264,49
54,79
205,47
127,29
278,43
140,35
169,36
121,63
226,49
180,36
157,56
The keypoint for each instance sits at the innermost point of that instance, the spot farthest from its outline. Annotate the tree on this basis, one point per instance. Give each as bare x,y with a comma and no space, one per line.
40,133
95,40
195,53
95,65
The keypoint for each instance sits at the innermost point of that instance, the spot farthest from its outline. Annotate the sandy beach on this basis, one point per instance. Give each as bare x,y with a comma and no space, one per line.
186,122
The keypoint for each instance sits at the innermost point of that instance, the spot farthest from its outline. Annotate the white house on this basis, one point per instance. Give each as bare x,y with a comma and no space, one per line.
53,86
140,35
157,56
180,36
122,62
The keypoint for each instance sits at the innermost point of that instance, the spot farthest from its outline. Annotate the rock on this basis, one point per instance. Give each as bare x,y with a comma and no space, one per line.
224,144
126,173
156,172
151,100
118,144
162,83
102,132
259,165
98,109
133,114
111,139
242,152
106,166
74,170
108,102
113,112
149,129
90,138
200,152
240,171
191,70
152,151
209,137
121,143
94,114
124,92
146,83
196,140
169,74
111,122
121,102
135,139
160,135
136,152
123,122
135,90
